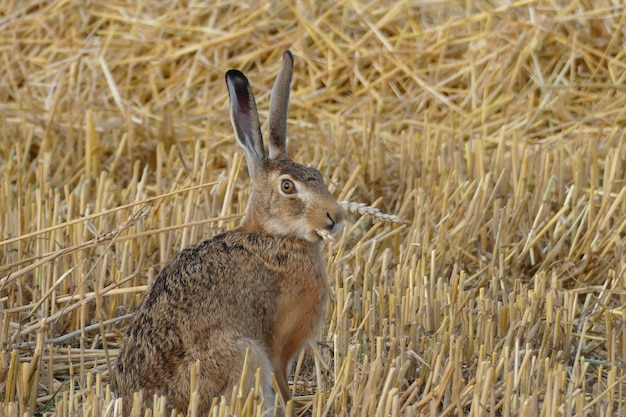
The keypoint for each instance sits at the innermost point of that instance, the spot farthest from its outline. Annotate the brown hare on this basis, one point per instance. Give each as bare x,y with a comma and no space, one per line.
260,288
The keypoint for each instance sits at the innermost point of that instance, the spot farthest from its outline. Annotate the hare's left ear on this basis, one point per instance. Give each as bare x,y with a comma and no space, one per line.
279,104
245,119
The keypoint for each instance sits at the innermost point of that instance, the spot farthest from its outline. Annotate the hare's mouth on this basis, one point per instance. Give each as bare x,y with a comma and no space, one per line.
315,235
328,233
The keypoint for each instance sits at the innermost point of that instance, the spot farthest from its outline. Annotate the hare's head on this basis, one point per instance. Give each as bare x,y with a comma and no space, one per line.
287,199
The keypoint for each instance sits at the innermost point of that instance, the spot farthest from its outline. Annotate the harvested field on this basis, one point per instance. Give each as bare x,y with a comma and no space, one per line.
496,130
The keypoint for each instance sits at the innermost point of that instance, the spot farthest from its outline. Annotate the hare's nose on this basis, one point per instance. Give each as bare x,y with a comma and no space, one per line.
335,220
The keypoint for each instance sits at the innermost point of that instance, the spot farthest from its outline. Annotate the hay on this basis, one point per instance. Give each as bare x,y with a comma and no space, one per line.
496,131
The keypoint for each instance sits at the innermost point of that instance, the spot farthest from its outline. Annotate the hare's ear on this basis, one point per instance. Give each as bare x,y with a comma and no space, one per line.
279,104
245,119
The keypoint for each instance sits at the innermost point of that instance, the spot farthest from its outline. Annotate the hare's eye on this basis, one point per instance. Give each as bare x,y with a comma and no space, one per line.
288,187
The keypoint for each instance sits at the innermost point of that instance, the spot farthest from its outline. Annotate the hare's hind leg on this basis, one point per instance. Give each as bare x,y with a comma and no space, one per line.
234,364
257,360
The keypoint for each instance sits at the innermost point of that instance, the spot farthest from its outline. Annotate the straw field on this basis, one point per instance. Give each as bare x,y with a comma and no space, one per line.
495,129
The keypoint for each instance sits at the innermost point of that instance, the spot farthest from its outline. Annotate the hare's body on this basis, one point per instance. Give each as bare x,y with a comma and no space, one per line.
259,290
207,305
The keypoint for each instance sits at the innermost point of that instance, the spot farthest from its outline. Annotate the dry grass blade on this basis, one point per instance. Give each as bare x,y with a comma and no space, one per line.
326,235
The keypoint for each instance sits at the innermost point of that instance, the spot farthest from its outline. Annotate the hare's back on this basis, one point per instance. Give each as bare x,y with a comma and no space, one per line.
218,283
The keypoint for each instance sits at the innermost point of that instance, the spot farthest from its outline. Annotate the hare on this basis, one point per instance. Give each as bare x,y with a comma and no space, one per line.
258,290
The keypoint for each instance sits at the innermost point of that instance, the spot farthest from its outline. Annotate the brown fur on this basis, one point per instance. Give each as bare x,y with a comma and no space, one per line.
260,288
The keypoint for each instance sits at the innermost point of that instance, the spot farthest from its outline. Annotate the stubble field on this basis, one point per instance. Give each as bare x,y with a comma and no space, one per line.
496,130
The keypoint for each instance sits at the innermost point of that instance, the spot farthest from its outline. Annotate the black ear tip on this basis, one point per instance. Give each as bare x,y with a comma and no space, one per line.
236,77
287,55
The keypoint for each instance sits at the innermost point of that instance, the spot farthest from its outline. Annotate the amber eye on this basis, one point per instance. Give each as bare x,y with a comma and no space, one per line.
288,187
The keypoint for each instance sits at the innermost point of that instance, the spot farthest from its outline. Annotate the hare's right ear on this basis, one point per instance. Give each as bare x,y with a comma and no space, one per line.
245,120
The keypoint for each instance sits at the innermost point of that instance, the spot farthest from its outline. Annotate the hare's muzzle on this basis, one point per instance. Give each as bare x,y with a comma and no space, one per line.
335,218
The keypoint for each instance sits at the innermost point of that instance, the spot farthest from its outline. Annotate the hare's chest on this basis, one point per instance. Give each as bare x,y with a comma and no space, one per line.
300,311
